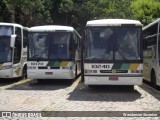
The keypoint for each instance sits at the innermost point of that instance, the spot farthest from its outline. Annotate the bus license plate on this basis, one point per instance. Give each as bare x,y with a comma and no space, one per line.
48,73
113,78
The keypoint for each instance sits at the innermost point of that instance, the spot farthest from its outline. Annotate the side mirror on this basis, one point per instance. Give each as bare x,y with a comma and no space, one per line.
12,43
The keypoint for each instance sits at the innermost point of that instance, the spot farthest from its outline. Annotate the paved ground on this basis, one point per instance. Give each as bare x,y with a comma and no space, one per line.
62,95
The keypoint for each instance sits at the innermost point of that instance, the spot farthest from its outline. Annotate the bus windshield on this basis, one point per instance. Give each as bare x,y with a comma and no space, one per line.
5,50
49,45
113,43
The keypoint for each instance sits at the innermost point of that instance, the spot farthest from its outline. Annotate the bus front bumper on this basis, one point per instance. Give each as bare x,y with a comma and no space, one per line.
50,74
106,80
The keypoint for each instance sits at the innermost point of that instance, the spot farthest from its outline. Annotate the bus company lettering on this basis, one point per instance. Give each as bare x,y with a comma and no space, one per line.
36,63
101,66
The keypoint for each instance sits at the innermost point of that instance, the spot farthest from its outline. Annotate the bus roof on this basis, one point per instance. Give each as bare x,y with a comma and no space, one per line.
10,24
50,28
113,22
149,25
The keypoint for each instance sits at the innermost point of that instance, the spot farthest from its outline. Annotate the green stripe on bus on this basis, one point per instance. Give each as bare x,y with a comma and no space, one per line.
57,64
125,66
117,66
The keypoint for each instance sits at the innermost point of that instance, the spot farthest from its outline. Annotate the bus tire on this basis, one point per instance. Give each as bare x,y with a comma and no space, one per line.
153,79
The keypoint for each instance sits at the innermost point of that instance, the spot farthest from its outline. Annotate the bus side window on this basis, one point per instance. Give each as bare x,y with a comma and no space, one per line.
18,44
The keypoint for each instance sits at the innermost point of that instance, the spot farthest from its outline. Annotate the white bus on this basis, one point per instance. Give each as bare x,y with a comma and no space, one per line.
113,52
151,60
54,52
13,50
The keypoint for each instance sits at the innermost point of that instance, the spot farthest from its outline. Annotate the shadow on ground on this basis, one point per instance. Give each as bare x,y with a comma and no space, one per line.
43,85
4,82
104,93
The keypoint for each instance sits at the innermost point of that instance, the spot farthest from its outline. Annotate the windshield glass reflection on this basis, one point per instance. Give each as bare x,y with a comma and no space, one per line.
5,50
49,45
113,43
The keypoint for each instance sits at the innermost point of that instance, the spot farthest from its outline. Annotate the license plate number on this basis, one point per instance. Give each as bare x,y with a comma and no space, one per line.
113,78
48,73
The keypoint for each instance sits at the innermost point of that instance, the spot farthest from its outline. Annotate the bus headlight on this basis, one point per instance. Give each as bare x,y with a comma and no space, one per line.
6,67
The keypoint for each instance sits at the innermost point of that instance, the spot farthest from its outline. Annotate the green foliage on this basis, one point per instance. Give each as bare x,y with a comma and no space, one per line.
145,10
27,12
4,13
85,10
109,9
66,5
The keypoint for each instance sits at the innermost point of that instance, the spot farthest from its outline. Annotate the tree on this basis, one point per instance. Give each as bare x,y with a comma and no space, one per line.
145,10
61,11
4,13
28,12
66,8
84,10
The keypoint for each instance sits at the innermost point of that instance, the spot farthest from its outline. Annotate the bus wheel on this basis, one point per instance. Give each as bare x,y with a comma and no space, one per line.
24,73
153,79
